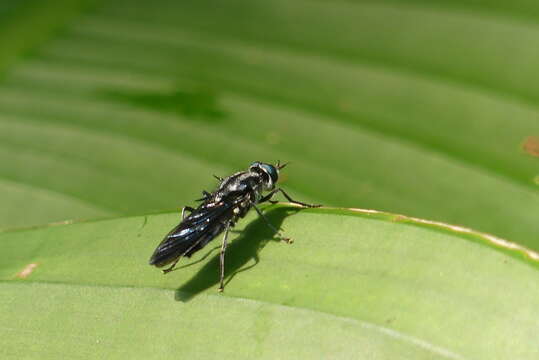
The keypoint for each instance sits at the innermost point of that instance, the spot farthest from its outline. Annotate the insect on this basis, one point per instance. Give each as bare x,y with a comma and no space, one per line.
218,212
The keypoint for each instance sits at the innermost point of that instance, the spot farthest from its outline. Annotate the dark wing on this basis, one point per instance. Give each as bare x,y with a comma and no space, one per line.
194,232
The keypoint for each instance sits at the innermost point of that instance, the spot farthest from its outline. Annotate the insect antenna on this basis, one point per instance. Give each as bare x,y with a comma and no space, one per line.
279,166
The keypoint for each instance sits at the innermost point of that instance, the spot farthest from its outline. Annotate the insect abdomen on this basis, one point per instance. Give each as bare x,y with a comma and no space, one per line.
177,244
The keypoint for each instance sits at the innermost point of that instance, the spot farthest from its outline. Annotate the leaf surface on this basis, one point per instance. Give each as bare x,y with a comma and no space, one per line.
354,284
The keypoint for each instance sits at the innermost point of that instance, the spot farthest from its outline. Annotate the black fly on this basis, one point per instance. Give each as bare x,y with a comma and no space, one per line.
218,212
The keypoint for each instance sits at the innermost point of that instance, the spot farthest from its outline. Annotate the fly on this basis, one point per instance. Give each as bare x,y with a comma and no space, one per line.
219,212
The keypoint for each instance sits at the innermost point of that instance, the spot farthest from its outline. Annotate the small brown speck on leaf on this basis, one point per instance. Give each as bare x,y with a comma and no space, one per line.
27,271
344,105
531,145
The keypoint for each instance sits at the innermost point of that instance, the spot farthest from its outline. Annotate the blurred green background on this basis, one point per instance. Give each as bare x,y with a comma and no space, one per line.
426,108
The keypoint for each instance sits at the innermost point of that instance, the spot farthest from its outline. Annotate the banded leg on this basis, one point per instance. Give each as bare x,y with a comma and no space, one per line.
222,259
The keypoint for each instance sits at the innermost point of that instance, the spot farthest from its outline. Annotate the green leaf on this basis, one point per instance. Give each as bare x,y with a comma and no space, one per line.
405,106
25,24
354,284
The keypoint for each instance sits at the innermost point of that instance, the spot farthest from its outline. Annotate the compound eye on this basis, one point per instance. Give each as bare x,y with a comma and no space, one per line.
271,171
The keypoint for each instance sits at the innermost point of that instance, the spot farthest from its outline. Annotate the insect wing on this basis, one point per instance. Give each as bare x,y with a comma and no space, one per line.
193,233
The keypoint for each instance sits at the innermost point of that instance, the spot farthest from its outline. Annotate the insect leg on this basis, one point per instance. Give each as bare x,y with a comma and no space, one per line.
218,177
205,195
268,197
222,259
294,201
279,235
188,208
171,267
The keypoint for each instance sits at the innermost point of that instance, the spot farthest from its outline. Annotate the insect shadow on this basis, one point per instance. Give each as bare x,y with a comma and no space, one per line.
243,249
